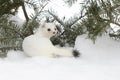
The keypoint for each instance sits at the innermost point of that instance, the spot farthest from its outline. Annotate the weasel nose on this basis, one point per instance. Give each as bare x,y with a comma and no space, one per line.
53,32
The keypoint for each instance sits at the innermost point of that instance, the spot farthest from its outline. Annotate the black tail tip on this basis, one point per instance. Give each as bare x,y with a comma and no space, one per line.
76,53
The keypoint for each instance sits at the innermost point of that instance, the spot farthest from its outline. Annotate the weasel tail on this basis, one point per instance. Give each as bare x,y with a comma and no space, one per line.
66,53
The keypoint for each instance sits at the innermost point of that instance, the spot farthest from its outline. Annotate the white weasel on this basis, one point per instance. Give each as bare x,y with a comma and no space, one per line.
39,44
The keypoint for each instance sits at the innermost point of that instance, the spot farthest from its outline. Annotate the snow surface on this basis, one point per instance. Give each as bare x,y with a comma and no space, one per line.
100,61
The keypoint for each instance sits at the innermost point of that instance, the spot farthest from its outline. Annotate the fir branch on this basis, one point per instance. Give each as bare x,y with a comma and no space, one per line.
9,47
70,2
56,18
76,20
24,10
13,30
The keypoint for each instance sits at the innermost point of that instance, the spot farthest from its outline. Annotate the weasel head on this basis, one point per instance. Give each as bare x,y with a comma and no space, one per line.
48,29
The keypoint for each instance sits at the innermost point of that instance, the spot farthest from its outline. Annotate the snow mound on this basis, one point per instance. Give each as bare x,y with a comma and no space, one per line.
15,55
16,20
105,49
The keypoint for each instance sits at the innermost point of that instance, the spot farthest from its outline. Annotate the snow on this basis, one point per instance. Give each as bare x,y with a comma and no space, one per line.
100,61
104,50
16,19
115,27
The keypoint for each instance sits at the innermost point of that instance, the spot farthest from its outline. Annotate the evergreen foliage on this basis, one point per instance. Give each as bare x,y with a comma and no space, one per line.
68,30
12,35
100,14
9,36
9,6
94,19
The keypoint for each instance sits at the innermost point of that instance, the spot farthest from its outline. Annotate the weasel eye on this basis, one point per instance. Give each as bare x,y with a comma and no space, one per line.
55,29
49,29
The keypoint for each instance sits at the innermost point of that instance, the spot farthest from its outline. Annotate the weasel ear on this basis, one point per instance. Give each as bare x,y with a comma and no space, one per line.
43,25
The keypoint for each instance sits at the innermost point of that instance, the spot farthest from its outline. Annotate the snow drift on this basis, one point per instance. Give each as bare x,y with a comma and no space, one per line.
100,61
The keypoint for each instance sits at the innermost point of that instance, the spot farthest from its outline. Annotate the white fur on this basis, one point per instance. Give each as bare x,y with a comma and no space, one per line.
39,44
